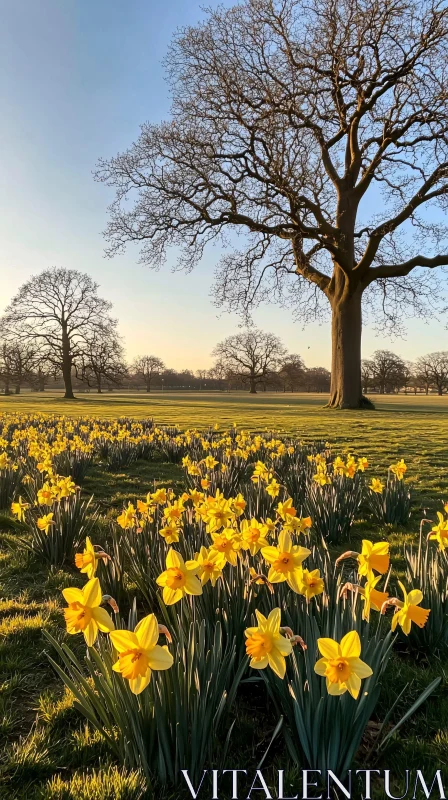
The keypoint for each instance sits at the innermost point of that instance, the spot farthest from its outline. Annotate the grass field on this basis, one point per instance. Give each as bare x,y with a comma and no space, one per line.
46,749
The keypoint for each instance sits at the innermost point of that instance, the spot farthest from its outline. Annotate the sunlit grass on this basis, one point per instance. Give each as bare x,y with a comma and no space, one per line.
49,752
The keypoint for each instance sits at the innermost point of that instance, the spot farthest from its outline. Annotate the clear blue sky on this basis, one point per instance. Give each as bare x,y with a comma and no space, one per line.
77,77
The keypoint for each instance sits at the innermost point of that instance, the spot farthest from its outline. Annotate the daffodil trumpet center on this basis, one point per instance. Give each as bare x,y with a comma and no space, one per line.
283,563
133,663
77,616
259,645
338,670
175,578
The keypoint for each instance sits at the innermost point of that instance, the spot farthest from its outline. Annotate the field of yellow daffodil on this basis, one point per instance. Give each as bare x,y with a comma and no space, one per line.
252,606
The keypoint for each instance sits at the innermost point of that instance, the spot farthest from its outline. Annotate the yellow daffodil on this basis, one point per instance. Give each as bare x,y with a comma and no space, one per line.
139,653
298,525
218,513
179,578
286,510
362,464
409,611
322,477
46,495
440,532
173,512
268,527
160,496
266,646
399,469
310,583
228,543
252,537
143,508
260,472
373,557
211,564
286,561
84,614
273,488
87,560
19,509
210,462
376,486
126,519
371,597
4,461
205,483
341,664
238,505
65,487
44,523
171,532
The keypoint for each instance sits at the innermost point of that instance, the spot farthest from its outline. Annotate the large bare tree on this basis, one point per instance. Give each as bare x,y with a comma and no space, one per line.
318,129
250,356
58,312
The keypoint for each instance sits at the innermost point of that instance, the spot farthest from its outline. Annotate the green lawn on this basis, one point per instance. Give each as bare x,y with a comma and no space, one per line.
414,428
41,735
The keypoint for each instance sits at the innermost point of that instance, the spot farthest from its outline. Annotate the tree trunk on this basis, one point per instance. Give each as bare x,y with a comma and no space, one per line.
253,387
17,389
345,390
67,367
98,384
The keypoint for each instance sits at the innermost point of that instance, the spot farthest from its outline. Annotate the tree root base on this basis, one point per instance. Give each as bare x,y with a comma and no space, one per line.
364,404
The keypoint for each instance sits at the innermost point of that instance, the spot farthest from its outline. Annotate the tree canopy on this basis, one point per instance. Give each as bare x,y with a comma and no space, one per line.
319,130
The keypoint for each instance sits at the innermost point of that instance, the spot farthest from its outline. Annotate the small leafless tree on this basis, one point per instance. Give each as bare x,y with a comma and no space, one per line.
17,363
318,129
146,367
387,371
366,374
57,311
103,357
292,372
250,356
433,370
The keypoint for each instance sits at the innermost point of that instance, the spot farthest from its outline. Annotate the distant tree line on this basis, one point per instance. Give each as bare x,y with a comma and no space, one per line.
387,373
57,332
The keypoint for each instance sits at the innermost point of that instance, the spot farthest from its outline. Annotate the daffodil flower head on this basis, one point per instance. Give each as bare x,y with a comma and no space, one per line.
440,532
252,536
371,597
286,510
410,611
266,646
84,614
180,578
211,564
19,509
228,543
341,664
373,557
286,561
311,584
44,523
139,653
87,561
